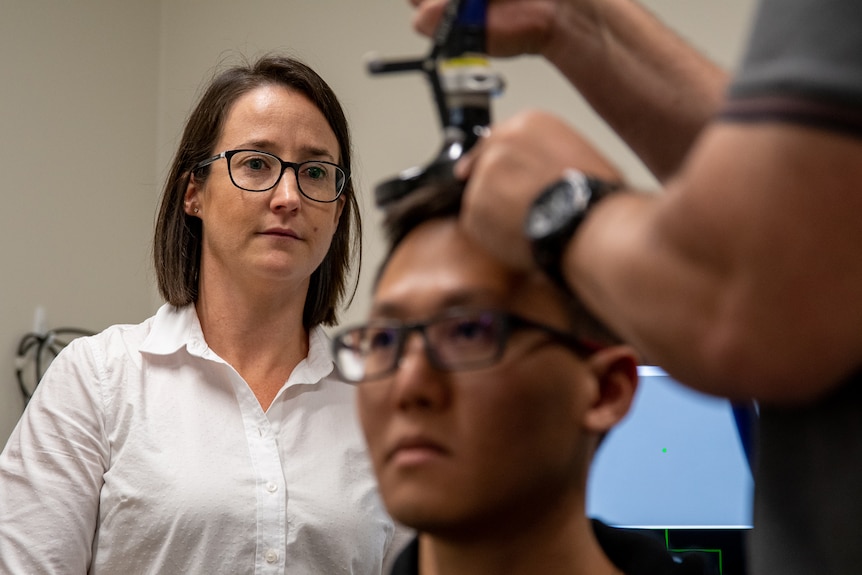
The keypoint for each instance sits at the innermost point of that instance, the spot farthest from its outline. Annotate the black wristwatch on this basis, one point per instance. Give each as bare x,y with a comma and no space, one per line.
556,214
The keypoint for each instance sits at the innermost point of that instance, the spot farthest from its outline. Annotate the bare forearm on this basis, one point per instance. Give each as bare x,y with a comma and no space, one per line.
655,90
742,279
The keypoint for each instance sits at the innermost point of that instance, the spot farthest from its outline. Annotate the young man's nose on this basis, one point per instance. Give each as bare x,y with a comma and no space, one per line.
418,384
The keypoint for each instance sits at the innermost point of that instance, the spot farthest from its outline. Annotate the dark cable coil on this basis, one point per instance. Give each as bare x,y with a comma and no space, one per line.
39,349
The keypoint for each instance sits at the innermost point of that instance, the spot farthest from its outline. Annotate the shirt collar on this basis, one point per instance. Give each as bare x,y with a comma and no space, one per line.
177,327
173,327
319,352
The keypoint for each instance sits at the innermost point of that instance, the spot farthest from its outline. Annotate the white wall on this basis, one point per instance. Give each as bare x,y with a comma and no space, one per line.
103,86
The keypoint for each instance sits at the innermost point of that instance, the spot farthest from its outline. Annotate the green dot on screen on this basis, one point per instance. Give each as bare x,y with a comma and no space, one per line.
664,449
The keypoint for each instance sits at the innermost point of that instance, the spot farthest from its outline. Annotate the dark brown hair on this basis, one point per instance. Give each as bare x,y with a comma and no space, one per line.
177,240
434,202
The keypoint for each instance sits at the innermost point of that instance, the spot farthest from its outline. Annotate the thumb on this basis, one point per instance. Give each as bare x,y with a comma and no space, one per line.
464,166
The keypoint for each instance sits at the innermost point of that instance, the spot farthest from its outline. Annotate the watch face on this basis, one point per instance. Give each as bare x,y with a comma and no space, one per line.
557,206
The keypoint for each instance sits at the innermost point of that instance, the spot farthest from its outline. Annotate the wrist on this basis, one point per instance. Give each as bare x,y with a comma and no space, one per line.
555,216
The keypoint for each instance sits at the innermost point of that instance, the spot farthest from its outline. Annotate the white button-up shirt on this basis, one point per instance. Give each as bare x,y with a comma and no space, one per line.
142,451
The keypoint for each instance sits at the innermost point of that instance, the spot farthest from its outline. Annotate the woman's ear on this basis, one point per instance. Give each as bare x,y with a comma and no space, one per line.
190,200
615,369
339,209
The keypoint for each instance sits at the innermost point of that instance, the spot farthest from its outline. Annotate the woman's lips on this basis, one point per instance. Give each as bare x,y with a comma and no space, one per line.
281,232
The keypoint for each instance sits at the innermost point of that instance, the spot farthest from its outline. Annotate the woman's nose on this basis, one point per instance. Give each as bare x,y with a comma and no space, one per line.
286,193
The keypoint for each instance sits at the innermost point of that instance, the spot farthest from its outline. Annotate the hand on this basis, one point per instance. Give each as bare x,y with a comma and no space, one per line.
506,170
513,26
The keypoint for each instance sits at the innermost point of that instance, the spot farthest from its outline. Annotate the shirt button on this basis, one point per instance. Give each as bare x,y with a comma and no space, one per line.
271,487
271,556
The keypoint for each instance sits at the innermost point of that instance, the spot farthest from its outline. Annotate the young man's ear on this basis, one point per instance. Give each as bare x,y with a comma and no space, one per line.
615,369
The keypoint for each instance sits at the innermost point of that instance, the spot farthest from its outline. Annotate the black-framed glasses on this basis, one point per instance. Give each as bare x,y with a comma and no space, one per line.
459,339
256,171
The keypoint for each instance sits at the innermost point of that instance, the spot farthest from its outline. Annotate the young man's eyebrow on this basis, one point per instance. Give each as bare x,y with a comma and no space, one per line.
461,298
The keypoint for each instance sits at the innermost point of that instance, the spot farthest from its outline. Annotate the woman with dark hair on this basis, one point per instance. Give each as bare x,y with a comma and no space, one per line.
214,437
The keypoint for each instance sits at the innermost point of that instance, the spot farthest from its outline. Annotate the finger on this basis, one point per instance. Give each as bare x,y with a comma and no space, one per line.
428,15
464,166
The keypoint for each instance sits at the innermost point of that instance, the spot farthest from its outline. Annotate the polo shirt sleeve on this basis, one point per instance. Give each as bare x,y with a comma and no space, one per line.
803,64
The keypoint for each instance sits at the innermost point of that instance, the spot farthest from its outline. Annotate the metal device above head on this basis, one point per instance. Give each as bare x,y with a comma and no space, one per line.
462,84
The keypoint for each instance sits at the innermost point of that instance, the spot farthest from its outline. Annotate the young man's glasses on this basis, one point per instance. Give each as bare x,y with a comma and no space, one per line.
457,340
256,171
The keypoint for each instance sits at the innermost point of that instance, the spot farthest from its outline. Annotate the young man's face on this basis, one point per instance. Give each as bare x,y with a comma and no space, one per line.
462,451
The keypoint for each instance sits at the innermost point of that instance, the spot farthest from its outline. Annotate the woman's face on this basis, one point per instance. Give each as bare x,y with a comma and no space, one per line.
278,237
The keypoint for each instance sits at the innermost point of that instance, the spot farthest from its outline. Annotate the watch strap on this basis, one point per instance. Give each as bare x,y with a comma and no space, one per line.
548,250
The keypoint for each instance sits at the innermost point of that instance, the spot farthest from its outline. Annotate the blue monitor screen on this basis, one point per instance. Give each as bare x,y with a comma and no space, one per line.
676,461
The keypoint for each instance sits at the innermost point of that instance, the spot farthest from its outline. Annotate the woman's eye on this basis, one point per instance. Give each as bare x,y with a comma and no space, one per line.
315,172
258,163
253,163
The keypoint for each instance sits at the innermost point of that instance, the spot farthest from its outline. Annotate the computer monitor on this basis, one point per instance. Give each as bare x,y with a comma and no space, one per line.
678,465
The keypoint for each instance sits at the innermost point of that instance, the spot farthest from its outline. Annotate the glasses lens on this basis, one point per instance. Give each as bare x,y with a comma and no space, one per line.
467,339
320,181
254,171
367,352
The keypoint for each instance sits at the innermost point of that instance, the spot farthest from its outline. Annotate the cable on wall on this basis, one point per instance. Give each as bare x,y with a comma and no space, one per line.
35,353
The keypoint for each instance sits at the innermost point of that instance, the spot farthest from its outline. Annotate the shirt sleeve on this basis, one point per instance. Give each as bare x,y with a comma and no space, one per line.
803,64
51,471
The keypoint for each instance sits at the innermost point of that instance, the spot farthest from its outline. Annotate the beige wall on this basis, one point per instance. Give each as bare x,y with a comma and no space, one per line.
93,95
78,171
